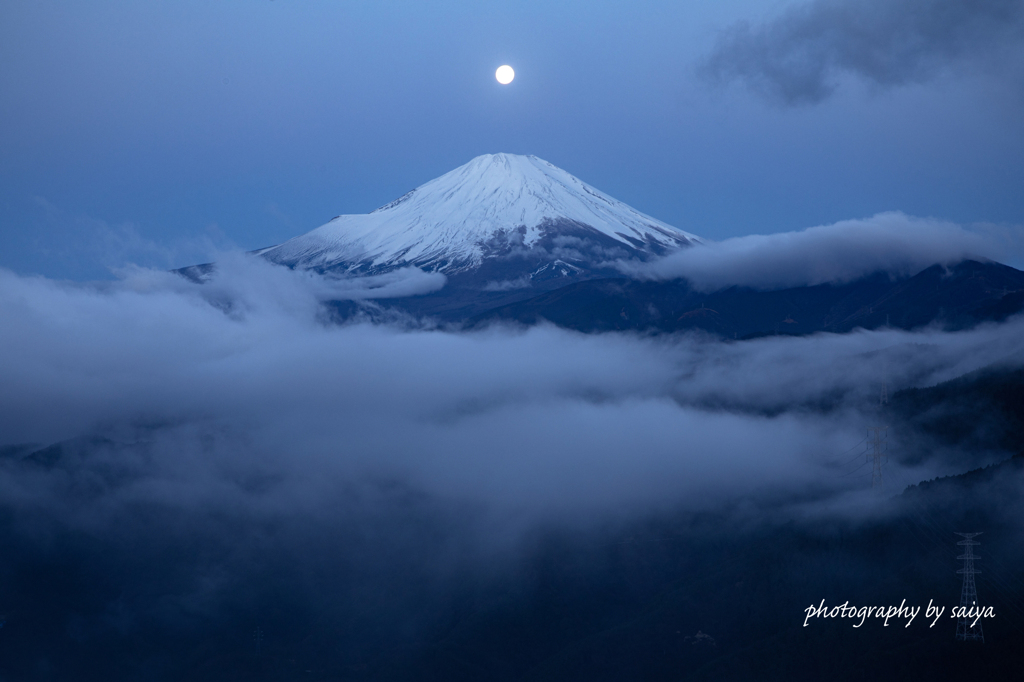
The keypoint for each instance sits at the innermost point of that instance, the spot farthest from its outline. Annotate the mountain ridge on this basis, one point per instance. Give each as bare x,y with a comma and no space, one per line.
957,297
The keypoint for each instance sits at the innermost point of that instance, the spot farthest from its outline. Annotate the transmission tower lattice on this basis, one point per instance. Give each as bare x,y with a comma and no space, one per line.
878,437
878,440
969,593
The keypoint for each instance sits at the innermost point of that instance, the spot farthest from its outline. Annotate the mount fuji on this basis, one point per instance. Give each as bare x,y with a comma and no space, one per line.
501,228
518,239
504,214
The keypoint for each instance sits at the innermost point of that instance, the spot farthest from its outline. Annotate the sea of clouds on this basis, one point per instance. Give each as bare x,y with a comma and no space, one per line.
246,376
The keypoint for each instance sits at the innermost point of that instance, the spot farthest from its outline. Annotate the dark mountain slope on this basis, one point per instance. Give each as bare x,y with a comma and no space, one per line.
980,411
955,298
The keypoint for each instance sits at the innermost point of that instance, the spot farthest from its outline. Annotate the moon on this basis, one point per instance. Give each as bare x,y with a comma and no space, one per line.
505,74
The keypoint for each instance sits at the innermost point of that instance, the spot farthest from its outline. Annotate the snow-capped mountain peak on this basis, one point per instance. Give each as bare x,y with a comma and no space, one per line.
454,222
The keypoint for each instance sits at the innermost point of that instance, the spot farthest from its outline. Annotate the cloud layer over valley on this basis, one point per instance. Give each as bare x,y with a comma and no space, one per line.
225,456
244,376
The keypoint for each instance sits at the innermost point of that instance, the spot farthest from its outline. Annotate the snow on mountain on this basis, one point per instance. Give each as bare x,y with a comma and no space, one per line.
494,204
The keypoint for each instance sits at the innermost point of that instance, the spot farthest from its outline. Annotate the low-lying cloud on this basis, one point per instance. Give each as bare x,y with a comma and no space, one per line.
529,420
533,421
262,280
841,252
228,457
800,57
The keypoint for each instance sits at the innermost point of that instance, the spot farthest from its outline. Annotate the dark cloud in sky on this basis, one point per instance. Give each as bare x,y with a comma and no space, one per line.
842,252
800,57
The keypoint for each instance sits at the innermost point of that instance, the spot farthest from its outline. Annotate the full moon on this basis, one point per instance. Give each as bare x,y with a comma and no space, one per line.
505,74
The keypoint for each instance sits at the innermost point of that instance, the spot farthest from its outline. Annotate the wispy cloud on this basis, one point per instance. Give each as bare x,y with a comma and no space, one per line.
73,237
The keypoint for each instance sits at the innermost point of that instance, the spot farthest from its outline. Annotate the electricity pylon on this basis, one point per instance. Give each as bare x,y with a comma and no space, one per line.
878,437
878,440
968,593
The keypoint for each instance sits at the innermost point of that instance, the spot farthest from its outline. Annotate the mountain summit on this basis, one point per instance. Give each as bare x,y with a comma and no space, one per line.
501,216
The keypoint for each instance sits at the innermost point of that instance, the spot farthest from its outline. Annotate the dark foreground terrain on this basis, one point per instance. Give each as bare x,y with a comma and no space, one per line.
390,595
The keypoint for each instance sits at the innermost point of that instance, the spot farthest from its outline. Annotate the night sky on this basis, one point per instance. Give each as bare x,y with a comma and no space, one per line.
163,133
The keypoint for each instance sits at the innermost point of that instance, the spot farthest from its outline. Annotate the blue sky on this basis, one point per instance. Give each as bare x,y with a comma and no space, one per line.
158,132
